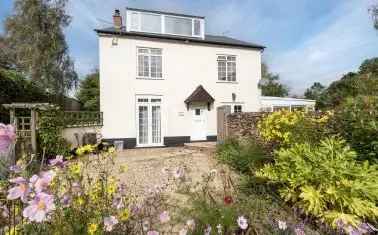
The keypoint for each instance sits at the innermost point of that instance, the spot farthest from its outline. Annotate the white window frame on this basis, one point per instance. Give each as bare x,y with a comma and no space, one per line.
241,108
227,80
149,63
162,30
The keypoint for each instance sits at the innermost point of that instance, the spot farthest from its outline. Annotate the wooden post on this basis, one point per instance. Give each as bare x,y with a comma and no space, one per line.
33,123
12,116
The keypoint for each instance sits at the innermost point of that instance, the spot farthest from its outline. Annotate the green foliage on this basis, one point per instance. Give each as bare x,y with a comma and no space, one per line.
35,40
287,128
89,92
270,84
51,124
15,88
326,181
357,122
365,82
242,155
315,92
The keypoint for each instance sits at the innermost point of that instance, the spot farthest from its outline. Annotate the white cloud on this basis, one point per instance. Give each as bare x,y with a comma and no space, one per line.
332,52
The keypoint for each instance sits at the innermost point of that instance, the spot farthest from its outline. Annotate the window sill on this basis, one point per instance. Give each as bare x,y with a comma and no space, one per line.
227,82
152,79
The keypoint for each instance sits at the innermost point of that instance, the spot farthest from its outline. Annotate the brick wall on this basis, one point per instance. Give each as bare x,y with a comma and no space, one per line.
243,124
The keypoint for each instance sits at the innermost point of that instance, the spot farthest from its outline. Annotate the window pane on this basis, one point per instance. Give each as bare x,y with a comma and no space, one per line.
237,108
143,124
156,125
156,66
222,70
134,21
143,66
231,71
150,23
197,27
143,50
155,51
175,25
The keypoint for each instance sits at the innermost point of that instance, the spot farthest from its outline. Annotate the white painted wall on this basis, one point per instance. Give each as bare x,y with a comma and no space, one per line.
185,66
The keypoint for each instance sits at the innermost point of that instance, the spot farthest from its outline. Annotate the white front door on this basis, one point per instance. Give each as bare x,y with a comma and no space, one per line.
199,127
148,121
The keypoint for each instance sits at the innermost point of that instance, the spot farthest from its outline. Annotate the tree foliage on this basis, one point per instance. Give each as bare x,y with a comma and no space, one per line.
357,121
315,91
270,83
35,41
89,92
364,82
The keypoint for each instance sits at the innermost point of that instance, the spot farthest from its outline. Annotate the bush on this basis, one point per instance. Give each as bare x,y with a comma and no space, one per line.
357,121
327,182
242,155
287,128
51,124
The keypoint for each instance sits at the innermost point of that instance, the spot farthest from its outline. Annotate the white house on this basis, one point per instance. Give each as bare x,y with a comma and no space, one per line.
162,78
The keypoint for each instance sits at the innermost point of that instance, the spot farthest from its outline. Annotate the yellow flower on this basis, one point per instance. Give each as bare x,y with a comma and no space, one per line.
75,169
111,187
111,150
124,215
85,149
92,228
80,201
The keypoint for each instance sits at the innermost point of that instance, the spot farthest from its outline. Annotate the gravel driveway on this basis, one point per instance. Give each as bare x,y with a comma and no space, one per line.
146,166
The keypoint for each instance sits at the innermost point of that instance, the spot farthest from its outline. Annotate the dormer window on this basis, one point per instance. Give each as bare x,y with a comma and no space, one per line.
165,23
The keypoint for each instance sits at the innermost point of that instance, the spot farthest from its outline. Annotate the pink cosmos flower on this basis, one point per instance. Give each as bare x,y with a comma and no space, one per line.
15,169
21,190
109,222
58,161
152,233
42,181
39,207
7,136
164,217
242,222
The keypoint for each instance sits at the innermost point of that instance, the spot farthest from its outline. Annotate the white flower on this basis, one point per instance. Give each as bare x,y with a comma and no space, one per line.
242,222
219,228
109,222
183,231
191,224
282,225
146,225
213,172
207,230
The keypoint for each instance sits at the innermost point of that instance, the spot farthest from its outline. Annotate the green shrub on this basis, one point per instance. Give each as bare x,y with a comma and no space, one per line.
357,121
51,124
287,128
242,155
326,181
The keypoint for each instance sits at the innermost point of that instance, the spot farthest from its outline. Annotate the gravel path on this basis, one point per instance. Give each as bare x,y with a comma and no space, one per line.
146,166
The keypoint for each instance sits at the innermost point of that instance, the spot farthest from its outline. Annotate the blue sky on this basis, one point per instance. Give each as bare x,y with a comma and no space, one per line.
306,40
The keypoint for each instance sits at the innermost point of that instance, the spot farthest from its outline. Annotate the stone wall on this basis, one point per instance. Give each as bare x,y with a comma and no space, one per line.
243,124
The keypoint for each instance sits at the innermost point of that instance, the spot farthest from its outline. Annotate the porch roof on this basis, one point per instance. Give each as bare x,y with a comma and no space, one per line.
199,95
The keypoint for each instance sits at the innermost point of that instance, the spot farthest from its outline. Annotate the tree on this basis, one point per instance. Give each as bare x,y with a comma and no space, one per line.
89,92
364,82
315,91
374,13
35,39
270,83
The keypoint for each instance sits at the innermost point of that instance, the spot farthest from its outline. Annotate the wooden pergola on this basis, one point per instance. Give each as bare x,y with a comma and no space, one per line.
33,107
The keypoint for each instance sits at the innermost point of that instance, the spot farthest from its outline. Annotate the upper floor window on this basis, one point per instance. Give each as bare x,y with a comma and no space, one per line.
149,62
237,108
227,68
164,23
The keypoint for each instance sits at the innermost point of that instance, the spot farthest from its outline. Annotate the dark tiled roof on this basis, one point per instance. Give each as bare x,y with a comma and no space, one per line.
209,39
199,95
164,12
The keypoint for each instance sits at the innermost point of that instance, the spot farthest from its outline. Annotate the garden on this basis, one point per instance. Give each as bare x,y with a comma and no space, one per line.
309,173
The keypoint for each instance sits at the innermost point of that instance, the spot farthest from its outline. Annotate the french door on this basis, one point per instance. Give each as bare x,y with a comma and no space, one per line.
149,121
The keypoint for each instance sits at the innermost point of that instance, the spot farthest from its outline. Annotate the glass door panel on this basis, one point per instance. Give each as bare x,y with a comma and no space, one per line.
156,124
143,124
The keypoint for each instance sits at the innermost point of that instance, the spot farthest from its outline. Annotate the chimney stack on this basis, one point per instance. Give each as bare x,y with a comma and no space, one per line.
117,19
